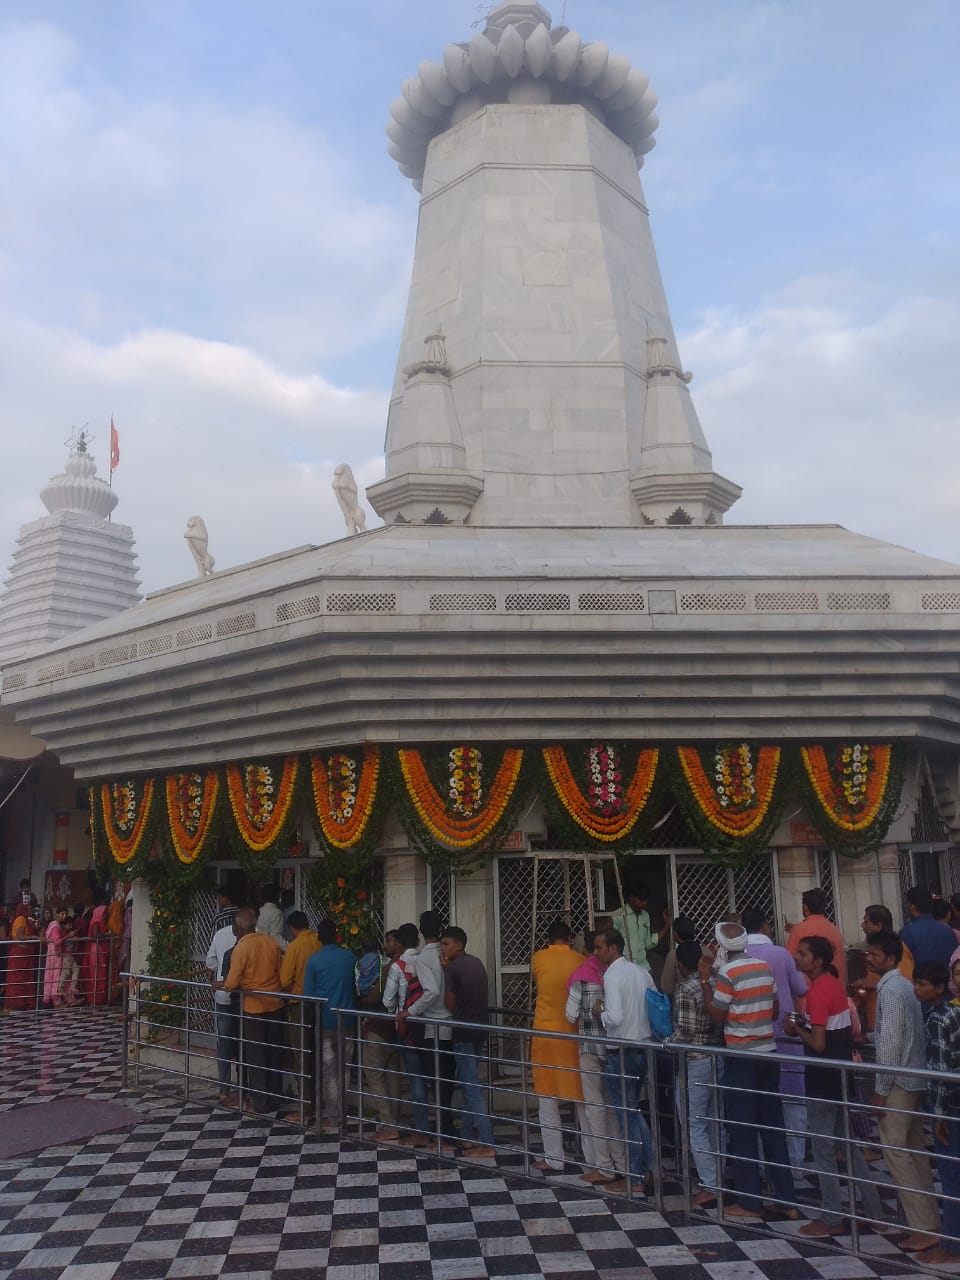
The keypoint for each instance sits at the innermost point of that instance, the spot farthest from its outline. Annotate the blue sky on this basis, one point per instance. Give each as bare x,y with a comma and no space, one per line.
201,231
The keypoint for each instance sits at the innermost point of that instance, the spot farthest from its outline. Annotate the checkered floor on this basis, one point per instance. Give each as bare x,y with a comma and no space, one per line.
196,1191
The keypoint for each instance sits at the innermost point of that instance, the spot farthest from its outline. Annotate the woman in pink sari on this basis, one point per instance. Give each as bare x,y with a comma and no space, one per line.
96,964
22,964
58,980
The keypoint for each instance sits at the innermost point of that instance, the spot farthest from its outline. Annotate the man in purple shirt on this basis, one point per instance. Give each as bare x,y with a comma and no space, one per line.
790,985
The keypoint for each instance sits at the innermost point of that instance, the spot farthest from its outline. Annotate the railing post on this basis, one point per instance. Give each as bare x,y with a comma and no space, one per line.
317,1074
655,1126
38,999
186,1046
342,1070
848,1159
124,1035
684,1143
718,1130
525,1098
241,1064
437,1124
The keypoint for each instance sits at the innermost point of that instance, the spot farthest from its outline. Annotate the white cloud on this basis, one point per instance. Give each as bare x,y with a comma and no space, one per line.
823,416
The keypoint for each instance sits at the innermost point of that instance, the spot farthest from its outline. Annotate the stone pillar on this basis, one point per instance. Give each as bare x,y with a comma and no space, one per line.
404,878
140,937
474,915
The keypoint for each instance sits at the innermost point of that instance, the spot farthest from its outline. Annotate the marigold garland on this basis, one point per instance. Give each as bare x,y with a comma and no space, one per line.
260,801
852,790
609,811
435,811
737,798
126,809
191,808
345,796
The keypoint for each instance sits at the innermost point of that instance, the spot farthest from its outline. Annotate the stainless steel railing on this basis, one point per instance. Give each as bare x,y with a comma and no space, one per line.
36,974
698,1103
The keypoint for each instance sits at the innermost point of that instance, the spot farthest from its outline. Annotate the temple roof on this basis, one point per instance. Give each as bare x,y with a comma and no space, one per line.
411,633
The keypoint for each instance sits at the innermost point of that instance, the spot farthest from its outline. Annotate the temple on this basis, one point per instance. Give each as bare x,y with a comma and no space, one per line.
554,657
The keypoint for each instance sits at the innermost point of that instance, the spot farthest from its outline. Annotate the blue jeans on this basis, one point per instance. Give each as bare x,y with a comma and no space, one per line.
475,1124
623,1094
948,1166
751,1104
228,1031
413,1066
698,1107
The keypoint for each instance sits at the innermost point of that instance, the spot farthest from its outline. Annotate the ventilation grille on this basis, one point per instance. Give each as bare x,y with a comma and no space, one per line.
362,602
120,653
714,602
858,601
156,645
941,601
15,680
786,602
532,602
194,635
451,602
81,666
291,610
55,672
612,601
236,625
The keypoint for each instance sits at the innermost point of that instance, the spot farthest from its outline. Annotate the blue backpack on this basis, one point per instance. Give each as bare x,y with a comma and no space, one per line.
658,1011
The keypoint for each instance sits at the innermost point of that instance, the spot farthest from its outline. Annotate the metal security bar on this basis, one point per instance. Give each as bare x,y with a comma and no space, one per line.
38,975
664,1124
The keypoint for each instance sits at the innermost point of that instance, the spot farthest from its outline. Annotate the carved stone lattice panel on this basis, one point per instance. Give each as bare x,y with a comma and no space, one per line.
55,672
291,610
362,602
786,602
859,601
81,666
114,656
155,646
713,602
194,635
612,601
940,601
536,602
236,625
463,602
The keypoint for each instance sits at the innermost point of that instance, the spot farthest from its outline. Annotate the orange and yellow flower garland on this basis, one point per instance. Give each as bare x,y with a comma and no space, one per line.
191,806
260,802
853,790
607,828
126,816
737,799
344,796
433,812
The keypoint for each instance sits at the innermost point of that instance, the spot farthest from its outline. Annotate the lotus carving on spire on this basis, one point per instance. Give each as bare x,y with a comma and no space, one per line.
520,57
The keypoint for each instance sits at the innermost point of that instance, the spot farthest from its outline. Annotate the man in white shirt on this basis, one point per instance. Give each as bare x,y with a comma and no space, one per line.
623,1013
270,921
226,1007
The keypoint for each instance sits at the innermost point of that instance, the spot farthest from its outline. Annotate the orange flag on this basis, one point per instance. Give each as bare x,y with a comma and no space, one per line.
114,447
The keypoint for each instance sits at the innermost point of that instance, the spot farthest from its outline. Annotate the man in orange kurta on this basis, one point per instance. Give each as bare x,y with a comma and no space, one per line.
556,1063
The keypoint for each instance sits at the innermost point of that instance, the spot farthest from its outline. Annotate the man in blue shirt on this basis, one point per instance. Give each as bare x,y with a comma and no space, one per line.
929,940
329,976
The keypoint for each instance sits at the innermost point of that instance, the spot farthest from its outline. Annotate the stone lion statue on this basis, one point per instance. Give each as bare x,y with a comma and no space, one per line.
345,487
196,536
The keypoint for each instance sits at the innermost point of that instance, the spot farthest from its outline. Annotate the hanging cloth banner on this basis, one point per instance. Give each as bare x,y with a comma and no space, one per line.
347,798
261,799
472,804
191,803
731,794
608,800
852,790
127,814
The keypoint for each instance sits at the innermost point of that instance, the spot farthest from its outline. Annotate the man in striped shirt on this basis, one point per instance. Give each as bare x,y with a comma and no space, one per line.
743,1000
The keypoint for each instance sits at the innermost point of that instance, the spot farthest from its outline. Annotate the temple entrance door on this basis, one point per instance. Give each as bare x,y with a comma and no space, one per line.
704,891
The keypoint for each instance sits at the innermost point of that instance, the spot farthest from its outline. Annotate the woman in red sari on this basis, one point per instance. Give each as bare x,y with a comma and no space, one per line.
97,978
23,962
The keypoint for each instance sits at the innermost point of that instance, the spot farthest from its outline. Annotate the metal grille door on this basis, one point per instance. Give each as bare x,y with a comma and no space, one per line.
704,891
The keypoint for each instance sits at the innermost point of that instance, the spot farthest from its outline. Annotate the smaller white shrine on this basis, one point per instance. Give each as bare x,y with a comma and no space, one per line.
72,567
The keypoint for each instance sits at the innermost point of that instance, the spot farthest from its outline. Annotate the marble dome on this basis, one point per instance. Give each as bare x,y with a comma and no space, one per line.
520,58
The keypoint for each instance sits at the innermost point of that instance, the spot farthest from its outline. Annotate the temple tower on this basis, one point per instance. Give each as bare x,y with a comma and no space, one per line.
560,399
72,567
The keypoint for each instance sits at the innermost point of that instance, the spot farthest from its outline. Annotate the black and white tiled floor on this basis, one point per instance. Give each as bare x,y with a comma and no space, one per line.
196,1191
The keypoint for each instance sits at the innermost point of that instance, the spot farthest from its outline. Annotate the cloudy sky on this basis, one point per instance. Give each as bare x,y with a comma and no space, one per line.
201,233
